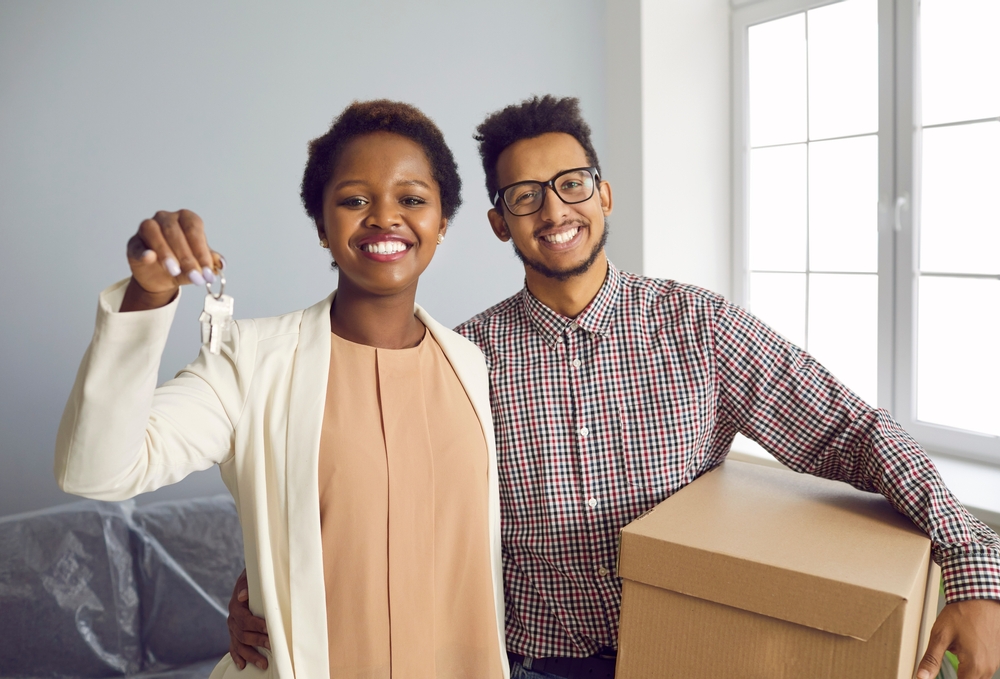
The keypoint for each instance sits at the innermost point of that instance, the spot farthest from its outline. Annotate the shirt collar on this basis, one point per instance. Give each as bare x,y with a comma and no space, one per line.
594,319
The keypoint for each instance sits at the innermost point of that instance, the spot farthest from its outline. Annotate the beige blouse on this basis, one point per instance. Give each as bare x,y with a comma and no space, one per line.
403,508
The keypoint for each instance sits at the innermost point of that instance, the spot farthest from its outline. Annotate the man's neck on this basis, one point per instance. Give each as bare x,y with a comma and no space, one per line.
571,296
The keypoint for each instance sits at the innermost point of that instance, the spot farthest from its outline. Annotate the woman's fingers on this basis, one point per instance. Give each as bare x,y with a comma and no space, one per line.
194,232
156,272
176,236
170,250
139,252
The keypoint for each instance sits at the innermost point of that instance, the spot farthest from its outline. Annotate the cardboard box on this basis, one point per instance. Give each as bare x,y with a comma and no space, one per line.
751,571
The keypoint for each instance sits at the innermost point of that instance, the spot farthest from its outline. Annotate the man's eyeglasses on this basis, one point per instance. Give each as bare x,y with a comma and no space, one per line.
528,197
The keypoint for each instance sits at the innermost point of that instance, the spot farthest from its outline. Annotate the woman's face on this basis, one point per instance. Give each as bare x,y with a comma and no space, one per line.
382,213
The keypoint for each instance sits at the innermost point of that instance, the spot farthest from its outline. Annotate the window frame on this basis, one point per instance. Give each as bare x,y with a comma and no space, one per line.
898,209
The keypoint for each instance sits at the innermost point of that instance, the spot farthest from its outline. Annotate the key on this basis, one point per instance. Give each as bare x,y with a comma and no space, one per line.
217,317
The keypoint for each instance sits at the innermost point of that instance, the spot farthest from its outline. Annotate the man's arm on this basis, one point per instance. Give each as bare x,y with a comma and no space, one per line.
971,630
778,395
246,631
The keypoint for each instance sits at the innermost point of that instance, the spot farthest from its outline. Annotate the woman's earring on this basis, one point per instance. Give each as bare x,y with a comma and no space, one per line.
440,238
324,243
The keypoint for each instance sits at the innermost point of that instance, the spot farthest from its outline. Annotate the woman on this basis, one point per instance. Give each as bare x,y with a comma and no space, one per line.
355,435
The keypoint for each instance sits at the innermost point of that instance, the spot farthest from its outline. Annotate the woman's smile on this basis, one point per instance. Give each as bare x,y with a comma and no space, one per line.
384,248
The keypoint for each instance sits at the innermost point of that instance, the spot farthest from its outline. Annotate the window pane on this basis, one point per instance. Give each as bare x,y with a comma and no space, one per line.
843,329
779,299
960,59
960,199
843,205
843,69
777,208
778,81
958,365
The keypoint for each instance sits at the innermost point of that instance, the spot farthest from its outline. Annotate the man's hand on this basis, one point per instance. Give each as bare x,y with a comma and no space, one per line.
246,631
969,629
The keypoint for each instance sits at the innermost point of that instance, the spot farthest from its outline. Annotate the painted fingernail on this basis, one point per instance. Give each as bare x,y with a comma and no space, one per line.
145,254
172,266
207,273
222,260
196,278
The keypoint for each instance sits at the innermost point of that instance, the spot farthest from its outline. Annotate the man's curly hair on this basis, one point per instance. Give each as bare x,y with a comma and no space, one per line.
531,118
380,115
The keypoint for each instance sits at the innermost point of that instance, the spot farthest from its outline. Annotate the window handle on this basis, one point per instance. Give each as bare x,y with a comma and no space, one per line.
901,202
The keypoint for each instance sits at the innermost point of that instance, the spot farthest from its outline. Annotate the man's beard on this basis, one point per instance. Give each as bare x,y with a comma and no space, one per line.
565,275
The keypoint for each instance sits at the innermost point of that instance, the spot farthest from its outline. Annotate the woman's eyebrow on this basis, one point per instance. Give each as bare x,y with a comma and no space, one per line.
346,182
401,182
413,182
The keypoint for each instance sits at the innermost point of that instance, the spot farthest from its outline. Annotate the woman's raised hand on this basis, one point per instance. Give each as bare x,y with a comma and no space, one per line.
168,251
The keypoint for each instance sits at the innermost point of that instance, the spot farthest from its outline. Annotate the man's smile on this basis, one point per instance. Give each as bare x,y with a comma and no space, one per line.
564,237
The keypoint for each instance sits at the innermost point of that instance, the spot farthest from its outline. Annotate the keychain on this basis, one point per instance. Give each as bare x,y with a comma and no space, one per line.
217,317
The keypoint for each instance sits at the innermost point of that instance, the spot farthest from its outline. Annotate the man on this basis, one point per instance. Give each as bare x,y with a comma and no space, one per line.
611,391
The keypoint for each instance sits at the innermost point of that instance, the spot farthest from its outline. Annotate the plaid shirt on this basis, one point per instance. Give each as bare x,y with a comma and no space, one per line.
601,417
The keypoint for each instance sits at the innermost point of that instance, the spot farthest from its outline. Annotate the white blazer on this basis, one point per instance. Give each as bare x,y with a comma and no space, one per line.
256,410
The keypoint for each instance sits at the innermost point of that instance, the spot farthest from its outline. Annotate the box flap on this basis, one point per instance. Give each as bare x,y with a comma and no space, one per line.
790,546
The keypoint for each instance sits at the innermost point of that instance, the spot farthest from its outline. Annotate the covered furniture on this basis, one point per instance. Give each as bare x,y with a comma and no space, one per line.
101,589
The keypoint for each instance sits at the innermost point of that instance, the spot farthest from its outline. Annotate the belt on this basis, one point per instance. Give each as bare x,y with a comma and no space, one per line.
601,665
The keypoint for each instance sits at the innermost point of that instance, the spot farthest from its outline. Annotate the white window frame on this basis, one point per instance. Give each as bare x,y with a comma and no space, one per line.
898,191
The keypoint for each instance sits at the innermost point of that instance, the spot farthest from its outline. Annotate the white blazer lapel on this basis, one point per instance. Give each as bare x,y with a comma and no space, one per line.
470,366
305,424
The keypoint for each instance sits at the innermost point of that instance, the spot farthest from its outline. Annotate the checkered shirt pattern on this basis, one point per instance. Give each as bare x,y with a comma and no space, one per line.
601,417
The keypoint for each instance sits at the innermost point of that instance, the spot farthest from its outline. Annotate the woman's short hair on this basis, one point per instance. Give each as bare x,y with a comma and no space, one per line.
380,115
531,118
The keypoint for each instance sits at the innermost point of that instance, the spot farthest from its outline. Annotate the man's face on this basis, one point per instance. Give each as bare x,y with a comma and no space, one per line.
559,241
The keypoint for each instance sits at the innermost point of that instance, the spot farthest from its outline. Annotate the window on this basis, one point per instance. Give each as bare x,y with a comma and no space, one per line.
867,200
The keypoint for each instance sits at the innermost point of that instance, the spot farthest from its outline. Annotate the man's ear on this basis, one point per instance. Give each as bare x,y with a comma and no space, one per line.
499,225
607,201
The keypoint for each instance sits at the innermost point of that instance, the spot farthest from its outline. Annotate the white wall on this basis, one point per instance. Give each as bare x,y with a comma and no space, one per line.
110,110
686,133
622,163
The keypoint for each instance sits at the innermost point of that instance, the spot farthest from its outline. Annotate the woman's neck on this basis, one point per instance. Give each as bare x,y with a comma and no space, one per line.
384,322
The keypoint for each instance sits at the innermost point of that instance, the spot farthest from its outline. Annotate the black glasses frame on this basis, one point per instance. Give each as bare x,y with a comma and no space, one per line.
499,195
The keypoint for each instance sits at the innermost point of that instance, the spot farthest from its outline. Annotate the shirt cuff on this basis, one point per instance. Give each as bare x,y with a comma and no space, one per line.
971,576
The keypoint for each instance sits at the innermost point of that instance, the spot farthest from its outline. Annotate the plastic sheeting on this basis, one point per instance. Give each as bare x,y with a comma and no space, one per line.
97,589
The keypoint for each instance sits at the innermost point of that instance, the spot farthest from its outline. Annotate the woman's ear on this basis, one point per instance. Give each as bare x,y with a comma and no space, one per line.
499,225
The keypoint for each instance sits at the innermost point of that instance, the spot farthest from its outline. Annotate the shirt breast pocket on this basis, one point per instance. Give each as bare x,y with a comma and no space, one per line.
658,440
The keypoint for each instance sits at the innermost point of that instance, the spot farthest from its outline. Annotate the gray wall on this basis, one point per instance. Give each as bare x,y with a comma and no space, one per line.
111,110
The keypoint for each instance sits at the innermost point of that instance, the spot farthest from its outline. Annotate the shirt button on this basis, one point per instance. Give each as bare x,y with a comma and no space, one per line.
584,431
577,363
592,502
602,571
573,326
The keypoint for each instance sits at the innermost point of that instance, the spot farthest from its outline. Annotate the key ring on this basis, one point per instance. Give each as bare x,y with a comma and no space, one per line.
222,286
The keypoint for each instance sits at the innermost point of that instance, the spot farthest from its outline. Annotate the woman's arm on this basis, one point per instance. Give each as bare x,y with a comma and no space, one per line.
120,435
